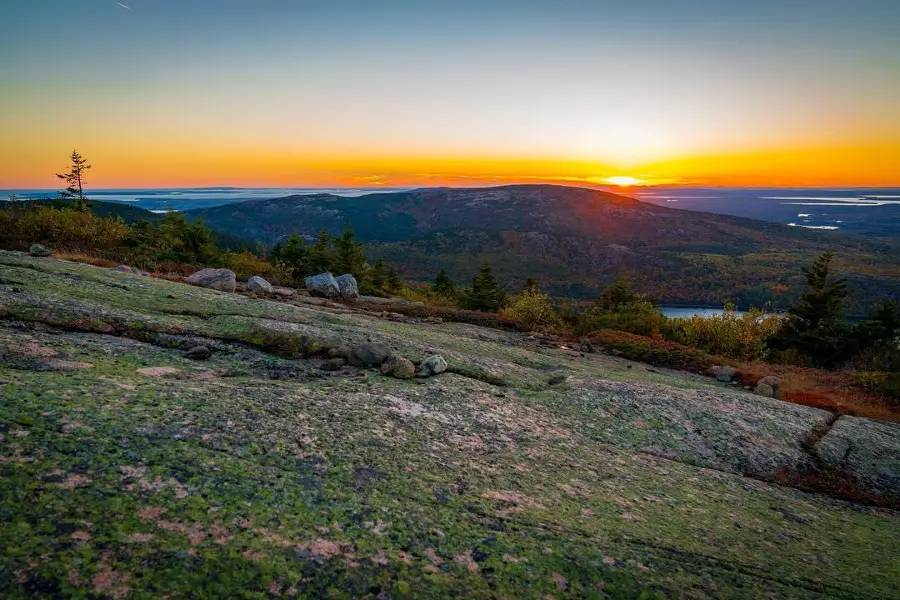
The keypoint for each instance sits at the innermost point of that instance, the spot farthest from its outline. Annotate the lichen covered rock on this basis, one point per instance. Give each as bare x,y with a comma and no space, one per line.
214,279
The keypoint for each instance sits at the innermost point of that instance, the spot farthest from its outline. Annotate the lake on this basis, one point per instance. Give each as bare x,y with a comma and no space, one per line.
680,312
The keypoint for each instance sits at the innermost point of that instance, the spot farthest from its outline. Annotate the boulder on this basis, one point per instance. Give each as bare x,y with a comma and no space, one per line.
348,288
586,346
764,389
198,353
323,285
368,355
259,285
724,374
434,365
127,269
770,380
215,279
399,367
334,364
282,291
39,250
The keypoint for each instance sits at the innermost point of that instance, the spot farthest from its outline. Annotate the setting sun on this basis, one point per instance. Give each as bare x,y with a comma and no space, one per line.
624,181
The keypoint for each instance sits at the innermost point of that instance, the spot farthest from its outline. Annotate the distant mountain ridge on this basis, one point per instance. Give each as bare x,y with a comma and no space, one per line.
575,240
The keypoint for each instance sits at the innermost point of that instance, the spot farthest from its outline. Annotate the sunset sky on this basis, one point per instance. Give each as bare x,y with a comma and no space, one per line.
171,93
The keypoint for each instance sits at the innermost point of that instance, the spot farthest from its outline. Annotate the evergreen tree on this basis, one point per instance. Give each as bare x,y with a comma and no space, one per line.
443,285
379,274
530,285
75,181
816,325
320,254
618,297
294,257
392,280
881,328
348,256
486,294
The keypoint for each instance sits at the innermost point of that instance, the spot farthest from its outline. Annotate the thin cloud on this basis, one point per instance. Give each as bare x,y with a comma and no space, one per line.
125,6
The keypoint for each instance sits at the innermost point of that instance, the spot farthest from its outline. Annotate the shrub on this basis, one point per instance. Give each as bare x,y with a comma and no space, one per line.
741,336
246,264
534,309
640,317
60,229
655,351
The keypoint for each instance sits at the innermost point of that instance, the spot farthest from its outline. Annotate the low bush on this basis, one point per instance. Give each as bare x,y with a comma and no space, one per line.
731,334
655,351
66,230
533,309
246,264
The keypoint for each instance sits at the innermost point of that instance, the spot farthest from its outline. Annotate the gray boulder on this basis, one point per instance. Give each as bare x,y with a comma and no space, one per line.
198,353
215,279
39,250
323,285
368,355
282,291
259,285
724,374
348,287
432,366
764,389
127,269
399,367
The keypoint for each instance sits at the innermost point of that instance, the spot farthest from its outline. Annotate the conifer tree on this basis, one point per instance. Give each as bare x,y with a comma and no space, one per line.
348,256
379,274
392,280
443,285
816,325
320,254
293,256
530,285
75,181
486,294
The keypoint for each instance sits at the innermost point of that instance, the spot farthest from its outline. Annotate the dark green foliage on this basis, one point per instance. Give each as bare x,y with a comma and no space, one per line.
530,285
74,179
392,280
618,297
443,285
816,325
378,276
881,328
486,294
294,257
320,259
620,308
348,257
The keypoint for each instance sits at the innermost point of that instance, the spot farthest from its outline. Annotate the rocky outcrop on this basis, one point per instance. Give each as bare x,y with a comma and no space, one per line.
131,270
399,367
865,449
198,353
724,374
368,355
323,285
767,386
40,251
214,279
259,285
348,289
434,365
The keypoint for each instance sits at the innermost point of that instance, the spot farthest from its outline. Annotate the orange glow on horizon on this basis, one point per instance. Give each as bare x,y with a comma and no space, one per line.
186,166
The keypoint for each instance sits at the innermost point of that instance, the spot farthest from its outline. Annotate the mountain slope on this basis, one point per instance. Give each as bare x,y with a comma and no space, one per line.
575,240
130,470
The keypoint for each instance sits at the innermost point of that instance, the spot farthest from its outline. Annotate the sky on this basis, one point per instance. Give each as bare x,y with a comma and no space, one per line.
398,93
